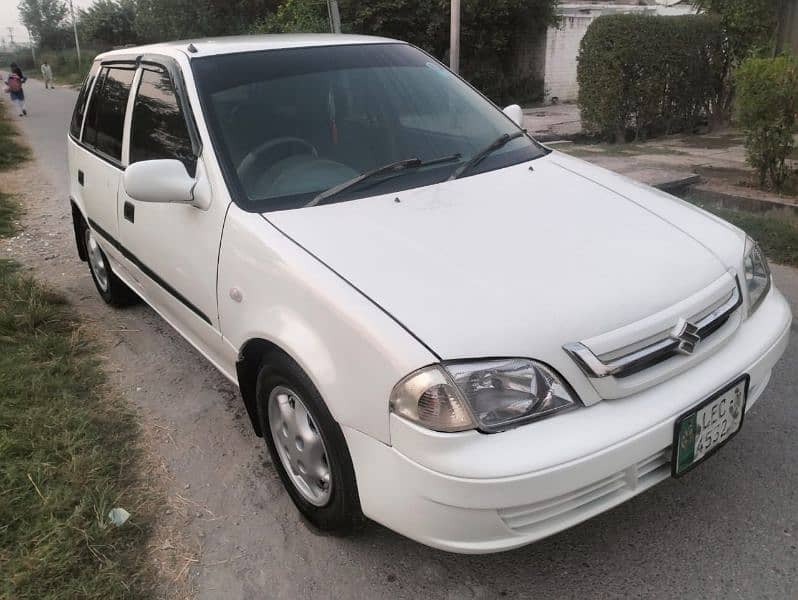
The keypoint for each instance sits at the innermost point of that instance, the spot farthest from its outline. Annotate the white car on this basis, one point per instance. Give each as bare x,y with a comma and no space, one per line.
435,322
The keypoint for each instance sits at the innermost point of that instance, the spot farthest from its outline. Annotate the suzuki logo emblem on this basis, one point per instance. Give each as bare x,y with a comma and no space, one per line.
687,335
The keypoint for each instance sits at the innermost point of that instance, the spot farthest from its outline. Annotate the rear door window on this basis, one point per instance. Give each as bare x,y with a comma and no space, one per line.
80,106
159,128
105,120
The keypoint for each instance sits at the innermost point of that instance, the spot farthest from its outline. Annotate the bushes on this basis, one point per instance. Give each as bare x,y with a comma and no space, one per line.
296,16
109,22
749,29
502,87
766,107
161,20
649,73
66,69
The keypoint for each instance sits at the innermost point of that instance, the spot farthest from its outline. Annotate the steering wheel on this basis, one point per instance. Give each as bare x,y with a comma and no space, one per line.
254,158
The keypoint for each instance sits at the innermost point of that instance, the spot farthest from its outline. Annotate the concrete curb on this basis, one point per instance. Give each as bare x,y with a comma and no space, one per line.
678,185
734,202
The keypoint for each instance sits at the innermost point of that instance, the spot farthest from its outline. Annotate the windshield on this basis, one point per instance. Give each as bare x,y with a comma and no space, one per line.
291,124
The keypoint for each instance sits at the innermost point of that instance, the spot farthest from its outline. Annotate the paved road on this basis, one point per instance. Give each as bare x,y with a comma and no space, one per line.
727,530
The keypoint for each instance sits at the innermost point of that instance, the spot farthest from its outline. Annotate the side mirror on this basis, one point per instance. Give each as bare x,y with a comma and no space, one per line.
515,113
163,180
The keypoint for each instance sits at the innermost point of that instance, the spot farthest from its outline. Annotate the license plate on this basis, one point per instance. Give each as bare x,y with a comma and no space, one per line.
700,432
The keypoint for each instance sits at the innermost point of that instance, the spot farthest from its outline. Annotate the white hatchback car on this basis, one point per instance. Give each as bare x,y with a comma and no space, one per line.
434,321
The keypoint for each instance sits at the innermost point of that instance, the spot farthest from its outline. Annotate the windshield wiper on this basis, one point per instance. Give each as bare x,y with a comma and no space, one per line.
500,142
396,167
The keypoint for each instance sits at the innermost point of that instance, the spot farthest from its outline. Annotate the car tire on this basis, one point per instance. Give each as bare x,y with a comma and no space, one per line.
299,413
112,289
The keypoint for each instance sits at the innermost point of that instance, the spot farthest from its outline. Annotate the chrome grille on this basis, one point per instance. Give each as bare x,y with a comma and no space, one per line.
681,339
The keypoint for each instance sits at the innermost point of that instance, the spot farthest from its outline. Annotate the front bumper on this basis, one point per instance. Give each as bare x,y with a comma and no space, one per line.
477,493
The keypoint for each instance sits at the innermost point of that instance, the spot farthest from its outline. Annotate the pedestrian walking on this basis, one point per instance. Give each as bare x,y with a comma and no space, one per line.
14,87
47,75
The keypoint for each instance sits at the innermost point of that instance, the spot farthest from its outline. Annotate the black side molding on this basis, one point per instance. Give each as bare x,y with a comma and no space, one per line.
149,272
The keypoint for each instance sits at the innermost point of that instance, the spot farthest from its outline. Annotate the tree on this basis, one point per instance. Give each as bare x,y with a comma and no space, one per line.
750,25
110,22
44,20
161,20
422,23
487,25
766,106
749,28
297,16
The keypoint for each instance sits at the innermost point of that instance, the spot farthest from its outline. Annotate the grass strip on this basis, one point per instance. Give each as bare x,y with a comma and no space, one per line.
12,152
69,452
778,237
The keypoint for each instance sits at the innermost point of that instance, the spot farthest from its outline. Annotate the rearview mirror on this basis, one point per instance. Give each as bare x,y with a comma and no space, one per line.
515,113
163,180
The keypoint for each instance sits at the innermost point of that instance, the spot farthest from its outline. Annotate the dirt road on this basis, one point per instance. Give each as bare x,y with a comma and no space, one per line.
729,529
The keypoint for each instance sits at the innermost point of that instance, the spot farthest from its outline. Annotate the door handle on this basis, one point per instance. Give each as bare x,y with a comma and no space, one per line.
130,211
80,177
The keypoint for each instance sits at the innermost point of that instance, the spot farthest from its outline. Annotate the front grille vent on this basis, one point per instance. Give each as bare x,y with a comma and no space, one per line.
574,507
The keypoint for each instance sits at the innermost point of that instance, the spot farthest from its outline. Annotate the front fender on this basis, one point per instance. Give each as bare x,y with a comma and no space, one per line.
271,289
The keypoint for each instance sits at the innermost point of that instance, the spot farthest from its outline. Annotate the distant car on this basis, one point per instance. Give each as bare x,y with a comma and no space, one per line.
434,321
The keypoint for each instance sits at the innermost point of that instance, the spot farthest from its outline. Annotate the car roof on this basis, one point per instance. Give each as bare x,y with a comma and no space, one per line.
244,43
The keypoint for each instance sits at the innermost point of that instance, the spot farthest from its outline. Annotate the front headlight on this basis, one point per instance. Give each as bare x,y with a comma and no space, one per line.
491,395
757,274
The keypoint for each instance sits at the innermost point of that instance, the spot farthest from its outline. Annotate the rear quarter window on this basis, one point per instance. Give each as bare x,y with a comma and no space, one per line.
76,123
105,119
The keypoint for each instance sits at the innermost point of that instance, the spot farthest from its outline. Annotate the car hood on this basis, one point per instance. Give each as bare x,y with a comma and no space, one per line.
514,262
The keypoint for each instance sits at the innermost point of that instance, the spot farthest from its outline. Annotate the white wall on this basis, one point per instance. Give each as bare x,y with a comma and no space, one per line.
562,48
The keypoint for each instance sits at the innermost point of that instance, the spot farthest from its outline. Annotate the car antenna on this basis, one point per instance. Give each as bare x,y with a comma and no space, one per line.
192,48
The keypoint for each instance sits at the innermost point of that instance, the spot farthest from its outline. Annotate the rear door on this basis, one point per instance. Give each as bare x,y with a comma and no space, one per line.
100,167
173,246
80,157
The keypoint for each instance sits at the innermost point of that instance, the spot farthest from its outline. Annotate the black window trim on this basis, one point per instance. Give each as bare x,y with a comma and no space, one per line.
178,82
181,91
89,95
175,75
132,65
149,272
86,99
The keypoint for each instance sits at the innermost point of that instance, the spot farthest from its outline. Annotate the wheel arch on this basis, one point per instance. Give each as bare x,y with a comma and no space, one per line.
250,358
79,223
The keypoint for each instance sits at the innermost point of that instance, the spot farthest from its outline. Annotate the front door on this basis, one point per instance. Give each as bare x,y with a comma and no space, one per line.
173,247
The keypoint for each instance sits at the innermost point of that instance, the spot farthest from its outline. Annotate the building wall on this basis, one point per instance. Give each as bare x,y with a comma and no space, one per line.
562,48
788,27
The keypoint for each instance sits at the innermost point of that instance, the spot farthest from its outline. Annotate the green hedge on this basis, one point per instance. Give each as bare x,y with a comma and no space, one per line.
649,74
502,87
767,109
